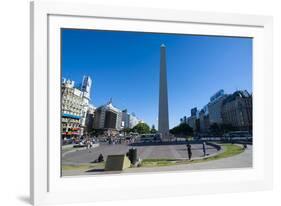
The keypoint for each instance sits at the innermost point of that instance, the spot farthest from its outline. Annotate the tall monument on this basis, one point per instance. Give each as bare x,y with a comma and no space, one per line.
163,115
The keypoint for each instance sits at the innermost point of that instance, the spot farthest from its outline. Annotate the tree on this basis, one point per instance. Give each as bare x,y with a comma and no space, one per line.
141,128
182,130
126,130
153,130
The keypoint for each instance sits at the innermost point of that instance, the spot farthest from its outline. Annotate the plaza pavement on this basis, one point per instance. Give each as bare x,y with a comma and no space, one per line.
242,160
78,156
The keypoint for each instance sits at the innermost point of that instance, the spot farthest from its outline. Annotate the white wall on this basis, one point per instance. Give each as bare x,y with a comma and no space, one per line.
14,65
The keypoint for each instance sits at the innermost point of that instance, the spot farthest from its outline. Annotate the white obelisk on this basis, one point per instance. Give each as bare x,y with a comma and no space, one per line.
163,115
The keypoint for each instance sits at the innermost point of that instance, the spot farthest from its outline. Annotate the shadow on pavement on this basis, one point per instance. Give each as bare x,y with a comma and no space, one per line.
96,170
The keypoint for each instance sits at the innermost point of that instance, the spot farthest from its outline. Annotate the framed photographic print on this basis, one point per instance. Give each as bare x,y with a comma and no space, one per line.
140,103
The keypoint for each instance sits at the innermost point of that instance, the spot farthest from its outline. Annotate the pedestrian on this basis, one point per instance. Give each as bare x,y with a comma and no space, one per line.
100,158
244,146
88,144
204,148
189,151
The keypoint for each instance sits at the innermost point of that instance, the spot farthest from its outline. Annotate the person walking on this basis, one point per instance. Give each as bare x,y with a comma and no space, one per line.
189,151
88,145
204,148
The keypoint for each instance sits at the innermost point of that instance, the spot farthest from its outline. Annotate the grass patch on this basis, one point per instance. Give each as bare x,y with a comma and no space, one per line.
229,150
83,166
158,162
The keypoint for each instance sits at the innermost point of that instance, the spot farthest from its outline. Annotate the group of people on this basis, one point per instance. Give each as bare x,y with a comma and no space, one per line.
189,152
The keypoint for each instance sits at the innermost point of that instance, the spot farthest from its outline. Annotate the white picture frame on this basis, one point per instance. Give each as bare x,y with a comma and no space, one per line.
46,184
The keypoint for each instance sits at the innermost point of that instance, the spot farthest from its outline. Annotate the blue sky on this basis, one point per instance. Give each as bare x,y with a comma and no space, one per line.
124,66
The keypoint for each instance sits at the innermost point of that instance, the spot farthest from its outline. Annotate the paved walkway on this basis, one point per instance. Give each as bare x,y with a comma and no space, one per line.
79,156
243,160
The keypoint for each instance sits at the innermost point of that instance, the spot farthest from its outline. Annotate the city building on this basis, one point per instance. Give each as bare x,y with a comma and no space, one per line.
129,120
193,111
72,105
85,89
192,120
234,110
215,106
108,117
90,118
204,119
75,103
237,110
133,120
125,119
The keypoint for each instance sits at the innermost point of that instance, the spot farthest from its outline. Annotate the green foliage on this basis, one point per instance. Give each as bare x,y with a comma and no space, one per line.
127,130
141,128
182,130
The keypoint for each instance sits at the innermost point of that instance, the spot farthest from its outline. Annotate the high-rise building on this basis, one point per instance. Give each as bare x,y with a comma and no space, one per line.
108,117
125,119
75,104
191,121
204,119
237,110
71,108
85,89
215,106
133,120
86,84
193,111
90,117
129,120
163,116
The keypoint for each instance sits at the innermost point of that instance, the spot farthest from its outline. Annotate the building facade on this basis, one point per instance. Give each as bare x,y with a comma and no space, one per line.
215,107
233,111
85,89
129,120
74,106
108,117
192,120
90,118
125,119
237,110
204,120
71,108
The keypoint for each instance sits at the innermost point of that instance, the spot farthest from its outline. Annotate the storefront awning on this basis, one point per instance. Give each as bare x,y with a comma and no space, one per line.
70,116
